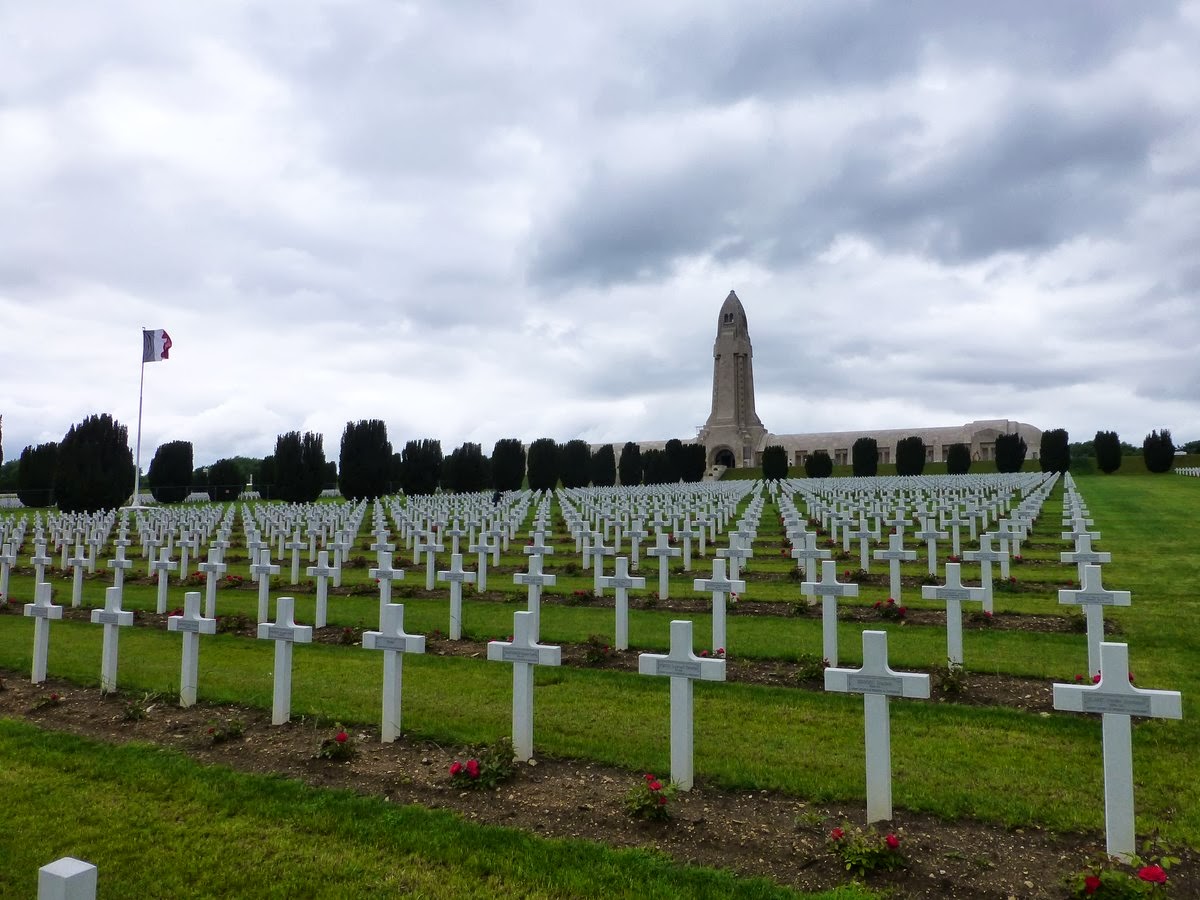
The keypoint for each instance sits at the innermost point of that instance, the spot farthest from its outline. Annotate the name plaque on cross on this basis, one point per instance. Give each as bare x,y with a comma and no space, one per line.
520,654
43,612
280,633
386,642
187,625
890,685
946,593
1110,703
671,667
101,617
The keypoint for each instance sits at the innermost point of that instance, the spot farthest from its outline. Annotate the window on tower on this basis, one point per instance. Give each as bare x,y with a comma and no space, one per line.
728,320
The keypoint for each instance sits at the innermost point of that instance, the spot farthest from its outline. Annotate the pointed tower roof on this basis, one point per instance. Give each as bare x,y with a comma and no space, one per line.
733,314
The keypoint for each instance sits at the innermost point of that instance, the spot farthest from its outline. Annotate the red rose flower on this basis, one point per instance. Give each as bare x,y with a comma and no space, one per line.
473,768
648,777
1091,884
1153,873
1096,678
456,768
662,801
655,785
837,834
341,737
892,841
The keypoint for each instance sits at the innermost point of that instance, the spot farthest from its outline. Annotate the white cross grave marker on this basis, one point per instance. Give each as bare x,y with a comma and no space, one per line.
8,559
191,625
829,589
524,652
664,551
42,610
78,563
621,581
721,587
953,592
112,617
162,566
295,545
1117,700
894,554
212,570
683,667
455,575
1093,598
985,556
385,575
535,581
876,681
119,566
263,570
394,642
322,571
40,560
1083,555
807,553
284,632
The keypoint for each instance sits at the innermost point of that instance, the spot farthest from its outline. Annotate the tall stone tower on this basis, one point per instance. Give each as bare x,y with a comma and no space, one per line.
733,434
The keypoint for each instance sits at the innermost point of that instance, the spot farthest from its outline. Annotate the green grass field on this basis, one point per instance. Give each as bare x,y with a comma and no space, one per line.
1000,765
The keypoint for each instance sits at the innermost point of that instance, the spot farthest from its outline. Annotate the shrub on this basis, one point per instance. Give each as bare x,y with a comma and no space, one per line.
575,463
863,851
486,766
649,799
340,746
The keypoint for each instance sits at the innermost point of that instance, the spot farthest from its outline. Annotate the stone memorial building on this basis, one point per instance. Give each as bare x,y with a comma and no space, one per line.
735,437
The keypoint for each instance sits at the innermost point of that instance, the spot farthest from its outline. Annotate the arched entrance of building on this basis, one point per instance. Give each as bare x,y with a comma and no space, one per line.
725,458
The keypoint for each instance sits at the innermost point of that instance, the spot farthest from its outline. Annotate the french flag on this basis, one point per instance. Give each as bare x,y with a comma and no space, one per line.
156,345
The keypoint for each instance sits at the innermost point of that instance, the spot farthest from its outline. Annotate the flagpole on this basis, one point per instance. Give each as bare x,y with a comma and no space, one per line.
137,465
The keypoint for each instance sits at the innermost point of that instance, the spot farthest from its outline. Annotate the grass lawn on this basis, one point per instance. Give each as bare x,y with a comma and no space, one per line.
1017,768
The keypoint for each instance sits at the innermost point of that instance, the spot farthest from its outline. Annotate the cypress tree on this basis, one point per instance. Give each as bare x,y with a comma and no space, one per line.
630,466
421,466
604,466
774,462
508,464
224,481
365,460
95,466
466,469
1158,450
1054,451
958,459
1010,452
818,465
170,473
694,456
1107,445
656,469
864,457
575,463
910,455
543,465
35,474
674,453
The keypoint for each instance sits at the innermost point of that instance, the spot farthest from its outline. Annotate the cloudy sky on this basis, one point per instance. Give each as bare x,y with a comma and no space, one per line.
519,219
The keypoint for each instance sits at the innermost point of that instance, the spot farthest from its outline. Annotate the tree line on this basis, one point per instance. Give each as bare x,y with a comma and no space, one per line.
1055,454
92,467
